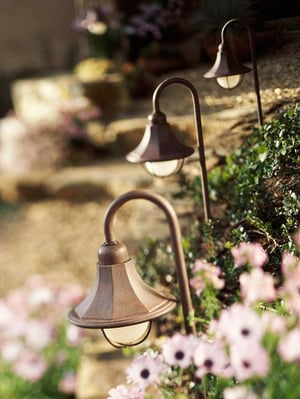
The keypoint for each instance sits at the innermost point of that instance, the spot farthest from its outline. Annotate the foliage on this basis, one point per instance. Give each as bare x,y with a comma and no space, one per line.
93,69
251,267
259,188
160,20
102,29
248,350
263,177
47,130
118,35
210,16
39,349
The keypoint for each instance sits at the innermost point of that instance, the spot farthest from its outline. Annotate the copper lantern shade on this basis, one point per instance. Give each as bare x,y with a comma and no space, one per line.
158,142
120,303
160,146
226,64
119,297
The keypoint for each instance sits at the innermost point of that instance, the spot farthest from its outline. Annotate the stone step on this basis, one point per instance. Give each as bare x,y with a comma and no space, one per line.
109,177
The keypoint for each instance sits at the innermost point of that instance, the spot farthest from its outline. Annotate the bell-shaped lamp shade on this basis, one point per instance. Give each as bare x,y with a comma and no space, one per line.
227,69
119,298
159,149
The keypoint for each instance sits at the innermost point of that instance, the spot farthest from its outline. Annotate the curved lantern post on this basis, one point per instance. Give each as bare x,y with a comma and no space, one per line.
161,152
229,71
120,303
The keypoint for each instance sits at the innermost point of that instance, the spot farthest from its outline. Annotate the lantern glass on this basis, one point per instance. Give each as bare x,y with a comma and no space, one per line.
121,337
229,82
164,168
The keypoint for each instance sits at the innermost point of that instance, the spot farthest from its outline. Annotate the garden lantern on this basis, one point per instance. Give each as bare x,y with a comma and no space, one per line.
227,69
120,303
161,152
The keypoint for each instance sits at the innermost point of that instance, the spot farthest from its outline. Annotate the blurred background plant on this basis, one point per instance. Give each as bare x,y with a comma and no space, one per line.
101,26
44,143
209,17
123,31
149,35
157,36
39,349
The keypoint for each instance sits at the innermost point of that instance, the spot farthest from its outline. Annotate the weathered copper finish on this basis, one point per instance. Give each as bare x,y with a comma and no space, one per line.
226,63
119,296
159,143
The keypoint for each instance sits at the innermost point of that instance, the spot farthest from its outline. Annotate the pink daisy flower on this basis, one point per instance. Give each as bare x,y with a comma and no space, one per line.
197,284
289,263
6,315
252,253
274,323
239,392
209,358
250,360
178,350
257,285
146,370
297,238
289,348
11,351
122,392
205,273
68,384
74,335
291,287
239,323
39,334
31,366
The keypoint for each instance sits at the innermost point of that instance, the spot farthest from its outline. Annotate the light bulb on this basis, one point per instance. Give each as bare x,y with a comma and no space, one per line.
164,168
229,82
120,337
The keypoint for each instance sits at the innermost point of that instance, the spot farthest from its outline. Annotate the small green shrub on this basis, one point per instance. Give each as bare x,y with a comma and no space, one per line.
258,187
260,183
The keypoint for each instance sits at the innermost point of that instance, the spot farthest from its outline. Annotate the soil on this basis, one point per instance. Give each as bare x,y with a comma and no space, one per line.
60,238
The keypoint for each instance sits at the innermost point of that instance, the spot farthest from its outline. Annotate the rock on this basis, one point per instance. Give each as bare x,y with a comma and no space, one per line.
102,182
99,372
110,94
103,367
122,135
36,100
109,178
77,184
125,134
24,188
